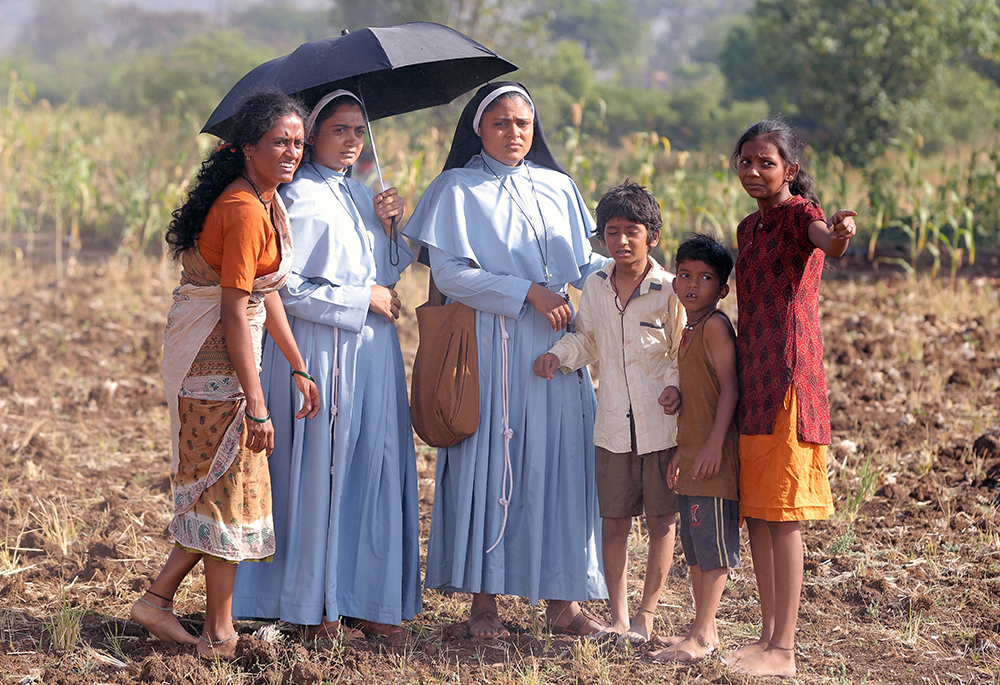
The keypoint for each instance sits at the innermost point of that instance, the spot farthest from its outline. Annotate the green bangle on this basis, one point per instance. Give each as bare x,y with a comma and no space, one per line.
255,419
296,372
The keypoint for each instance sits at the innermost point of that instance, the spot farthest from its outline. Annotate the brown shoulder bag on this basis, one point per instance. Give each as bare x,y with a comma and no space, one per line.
444,395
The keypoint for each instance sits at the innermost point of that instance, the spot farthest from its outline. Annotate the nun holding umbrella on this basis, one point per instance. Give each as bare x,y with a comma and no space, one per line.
515,504
347,538
344,491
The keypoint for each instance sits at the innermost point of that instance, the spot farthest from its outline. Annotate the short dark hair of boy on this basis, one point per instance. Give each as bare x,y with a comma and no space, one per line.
633,202
706,248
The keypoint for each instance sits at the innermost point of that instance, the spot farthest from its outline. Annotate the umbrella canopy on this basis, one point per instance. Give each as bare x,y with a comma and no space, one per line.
395,69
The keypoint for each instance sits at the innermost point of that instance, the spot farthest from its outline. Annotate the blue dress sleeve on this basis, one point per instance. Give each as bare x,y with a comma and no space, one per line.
595,262
477,288
343,306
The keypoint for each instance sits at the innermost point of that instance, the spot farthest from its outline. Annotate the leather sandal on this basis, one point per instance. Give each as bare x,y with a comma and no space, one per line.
491,620
331,630
579,626
373,628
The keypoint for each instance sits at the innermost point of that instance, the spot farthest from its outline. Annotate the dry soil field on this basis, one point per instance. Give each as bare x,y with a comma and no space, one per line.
902,585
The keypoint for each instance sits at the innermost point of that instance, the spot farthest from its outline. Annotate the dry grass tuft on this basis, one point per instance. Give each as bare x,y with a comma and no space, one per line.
63,628
59,526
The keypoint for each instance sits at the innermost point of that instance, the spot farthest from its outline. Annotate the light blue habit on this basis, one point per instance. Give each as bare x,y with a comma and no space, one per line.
347,542
550,546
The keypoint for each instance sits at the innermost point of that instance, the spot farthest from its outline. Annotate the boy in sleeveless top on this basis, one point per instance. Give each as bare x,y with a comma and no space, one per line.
705,468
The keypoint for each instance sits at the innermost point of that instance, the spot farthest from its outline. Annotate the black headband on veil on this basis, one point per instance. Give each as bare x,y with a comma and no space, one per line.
467,143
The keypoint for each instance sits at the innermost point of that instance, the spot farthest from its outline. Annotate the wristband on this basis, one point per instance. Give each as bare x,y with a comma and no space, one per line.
296,372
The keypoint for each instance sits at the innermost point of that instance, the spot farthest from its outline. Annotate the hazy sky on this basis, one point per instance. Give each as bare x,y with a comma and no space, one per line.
13,13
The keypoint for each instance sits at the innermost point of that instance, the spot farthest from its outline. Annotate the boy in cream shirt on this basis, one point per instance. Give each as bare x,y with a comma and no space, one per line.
630,323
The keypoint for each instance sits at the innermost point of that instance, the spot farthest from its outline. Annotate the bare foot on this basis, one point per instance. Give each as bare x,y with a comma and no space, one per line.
747,650
160,621
641,628
671,640
224,649
773,661
689,649
380,629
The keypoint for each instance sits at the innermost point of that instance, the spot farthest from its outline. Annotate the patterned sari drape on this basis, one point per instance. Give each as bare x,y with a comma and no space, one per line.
222,498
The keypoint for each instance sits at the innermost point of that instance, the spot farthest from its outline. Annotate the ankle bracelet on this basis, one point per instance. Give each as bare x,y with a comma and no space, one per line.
785,649
213,643
143,600
165,599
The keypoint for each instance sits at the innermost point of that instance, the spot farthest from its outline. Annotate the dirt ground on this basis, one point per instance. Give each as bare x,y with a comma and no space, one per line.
902,584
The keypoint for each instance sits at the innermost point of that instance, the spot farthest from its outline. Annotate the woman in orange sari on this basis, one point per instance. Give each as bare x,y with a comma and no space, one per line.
232,238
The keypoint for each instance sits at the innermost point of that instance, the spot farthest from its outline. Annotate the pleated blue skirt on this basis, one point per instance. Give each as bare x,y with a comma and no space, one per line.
345,509
550,543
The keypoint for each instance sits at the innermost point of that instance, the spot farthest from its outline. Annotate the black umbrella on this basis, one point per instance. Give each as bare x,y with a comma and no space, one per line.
394,69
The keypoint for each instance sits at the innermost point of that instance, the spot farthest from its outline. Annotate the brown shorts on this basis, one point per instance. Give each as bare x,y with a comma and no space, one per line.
628,484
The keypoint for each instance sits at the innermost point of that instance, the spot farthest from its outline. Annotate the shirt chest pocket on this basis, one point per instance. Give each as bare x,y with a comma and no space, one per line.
653,336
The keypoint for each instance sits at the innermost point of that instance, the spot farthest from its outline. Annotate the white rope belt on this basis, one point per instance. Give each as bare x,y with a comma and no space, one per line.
334,386
507,486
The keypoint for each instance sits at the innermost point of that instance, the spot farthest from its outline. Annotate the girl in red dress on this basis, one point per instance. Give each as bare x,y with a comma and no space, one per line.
784,413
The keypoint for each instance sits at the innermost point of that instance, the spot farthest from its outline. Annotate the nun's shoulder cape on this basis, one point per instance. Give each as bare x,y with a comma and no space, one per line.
338,237
476,213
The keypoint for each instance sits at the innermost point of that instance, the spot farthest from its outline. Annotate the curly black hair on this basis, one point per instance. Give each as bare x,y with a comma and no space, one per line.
255,116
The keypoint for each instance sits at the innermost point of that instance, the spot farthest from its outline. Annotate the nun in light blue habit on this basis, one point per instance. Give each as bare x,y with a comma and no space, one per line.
344,490
515,505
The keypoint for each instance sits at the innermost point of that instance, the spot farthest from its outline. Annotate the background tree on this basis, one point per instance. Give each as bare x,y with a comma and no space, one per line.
859,71
677,31
613,38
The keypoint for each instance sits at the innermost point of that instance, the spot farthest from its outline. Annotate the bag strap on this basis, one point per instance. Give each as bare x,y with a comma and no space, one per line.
435,297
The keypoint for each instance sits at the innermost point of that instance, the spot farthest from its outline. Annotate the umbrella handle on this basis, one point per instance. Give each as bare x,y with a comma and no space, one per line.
394,242
393,234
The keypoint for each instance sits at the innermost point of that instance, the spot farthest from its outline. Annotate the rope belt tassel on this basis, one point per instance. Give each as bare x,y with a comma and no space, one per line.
507,487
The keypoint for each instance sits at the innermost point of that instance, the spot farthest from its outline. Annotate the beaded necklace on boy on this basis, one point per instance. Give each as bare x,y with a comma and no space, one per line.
690,325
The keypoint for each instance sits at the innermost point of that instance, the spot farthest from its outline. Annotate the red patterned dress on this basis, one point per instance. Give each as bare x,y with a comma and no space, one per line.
778,272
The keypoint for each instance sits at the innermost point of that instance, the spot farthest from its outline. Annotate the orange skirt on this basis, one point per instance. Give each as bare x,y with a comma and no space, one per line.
781,478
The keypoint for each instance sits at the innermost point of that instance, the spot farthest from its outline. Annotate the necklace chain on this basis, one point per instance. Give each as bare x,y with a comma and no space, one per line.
614,284
689,326
255,191
544,253
340,201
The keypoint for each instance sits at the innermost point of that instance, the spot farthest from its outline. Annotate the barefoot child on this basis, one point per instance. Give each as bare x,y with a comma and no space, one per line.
630,322
784,412
705,469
